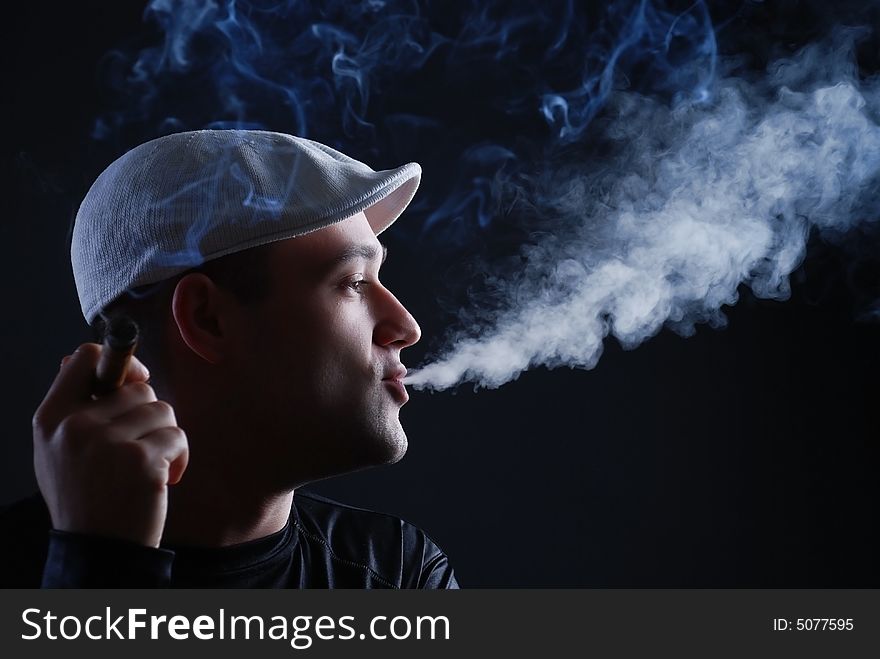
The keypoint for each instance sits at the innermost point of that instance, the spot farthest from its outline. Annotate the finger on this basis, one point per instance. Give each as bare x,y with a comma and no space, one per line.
137,372
168,446
144,419
128,397
72,386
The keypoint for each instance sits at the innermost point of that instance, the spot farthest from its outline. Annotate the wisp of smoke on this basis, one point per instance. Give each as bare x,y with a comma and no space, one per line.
693,200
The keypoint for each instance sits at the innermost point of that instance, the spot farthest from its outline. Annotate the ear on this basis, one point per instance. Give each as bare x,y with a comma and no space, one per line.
200,309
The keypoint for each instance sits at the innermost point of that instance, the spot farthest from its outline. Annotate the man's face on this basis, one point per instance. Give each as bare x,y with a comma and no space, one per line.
323,354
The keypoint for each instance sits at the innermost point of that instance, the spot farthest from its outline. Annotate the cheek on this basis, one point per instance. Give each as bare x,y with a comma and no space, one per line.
327,355
343,359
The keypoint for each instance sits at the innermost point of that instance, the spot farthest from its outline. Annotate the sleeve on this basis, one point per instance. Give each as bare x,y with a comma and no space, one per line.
425,564
438,574
77,560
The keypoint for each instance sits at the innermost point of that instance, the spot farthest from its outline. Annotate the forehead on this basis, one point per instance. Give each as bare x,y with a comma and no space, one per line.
321,248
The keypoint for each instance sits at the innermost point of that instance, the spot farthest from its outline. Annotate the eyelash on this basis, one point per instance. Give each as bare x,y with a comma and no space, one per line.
357,285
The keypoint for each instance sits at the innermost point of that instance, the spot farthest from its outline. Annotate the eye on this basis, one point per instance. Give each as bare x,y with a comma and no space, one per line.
357,284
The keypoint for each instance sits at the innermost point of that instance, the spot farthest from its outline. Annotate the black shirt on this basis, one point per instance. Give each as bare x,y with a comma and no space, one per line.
324,544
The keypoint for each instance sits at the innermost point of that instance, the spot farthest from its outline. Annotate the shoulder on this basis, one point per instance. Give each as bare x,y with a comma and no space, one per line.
395,551
24,529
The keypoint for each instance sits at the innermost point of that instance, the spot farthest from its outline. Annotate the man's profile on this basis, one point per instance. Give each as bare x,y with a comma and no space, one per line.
250,264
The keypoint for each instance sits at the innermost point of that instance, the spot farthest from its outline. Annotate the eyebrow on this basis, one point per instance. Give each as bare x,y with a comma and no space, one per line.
366,252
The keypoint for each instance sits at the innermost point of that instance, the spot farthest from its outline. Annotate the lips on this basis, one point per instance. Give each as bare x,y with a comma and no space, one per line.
394,382
396,374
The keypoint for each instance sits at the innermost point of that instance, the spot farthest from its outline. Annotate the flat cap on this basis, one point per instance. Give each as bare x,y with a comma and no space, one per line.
177,201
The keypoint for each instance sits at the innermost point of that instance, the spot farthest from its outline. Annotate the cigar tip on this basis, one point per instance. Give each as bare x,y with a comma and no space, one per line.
121,332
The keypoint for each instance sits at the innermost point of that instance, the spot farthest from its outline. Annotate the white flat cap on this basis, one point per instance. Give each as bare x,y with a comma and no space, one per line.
177,201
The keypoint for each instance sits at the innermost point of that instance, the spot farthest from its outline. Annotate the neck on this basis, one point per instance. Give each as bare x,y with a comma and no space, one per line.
225,496
205,512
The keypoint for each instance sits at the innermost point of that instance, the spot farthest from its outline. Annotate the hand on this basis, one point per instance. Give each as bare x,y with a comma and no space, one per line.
104,464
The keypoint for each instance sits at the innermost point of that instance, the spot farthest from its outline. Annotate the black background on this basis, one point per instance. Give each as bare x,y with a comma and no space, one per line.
740,457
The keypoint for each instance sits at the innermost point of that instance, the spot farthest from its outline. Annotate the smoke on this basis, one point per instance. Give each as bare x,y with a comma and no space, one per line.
688,201
643,176
474,90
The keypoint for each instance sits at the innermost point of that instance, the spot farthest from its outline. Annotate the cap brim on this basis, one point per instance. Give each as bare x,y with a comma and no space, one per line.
394,197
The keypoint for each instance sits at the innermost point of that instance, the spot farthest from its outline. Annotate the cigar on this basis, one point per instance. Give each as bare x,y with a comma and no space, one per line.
120,341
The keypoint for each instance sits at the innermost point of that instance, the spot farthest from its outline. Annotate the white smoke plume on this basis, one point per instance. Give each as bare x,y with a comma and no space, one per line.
693,201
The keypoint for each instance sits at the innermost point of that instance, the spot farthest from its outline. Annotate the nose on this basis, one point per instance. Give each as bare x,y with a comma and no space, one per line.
394,324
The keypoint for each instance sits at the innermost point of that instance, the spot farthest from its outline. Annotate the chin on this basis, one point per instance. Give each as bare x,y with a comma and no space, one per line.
386,449
364,448
371,452
398,450
382,440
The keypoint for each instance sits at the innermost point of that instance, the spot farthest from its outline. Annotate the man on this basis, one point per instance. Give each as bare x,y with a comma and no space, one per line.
250,261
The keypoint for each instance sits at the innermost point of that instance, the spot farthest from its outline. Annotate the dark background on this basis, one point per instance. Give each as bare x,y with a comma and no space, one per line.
735,458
